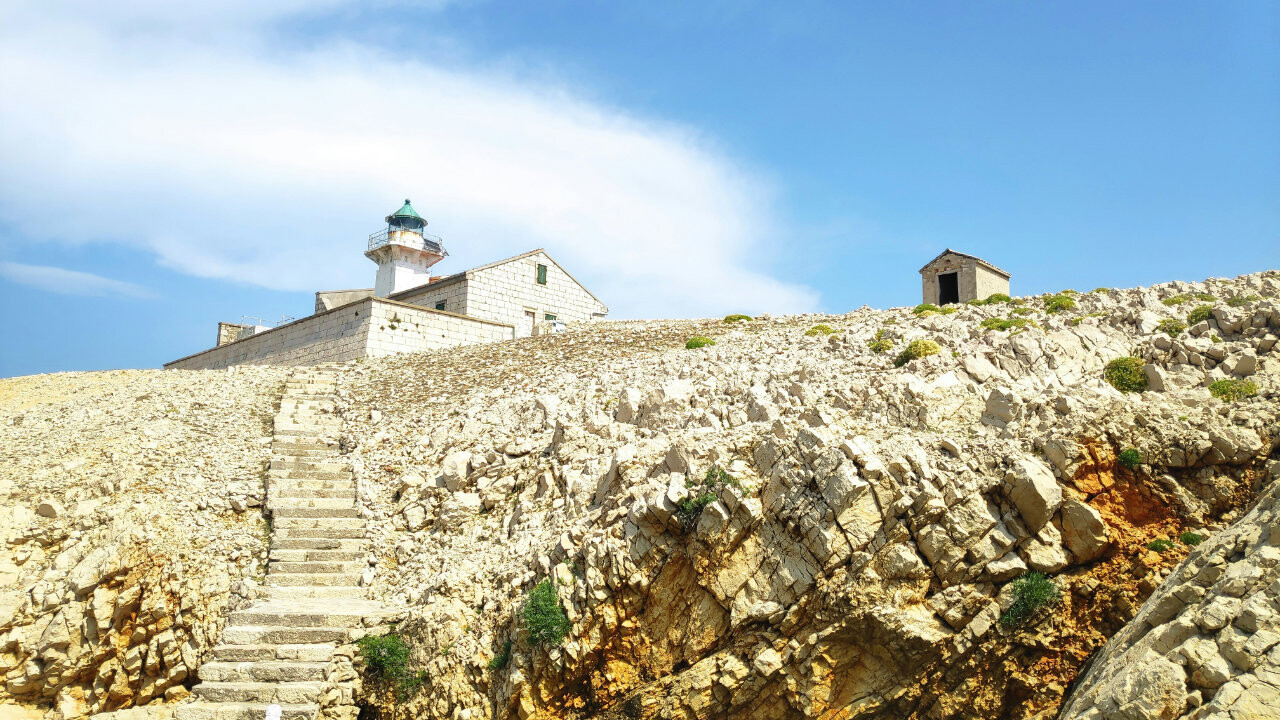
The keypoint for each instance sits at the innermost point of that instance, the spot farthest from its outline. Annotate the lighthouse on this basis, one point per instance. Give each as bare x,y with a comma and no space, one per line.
404,252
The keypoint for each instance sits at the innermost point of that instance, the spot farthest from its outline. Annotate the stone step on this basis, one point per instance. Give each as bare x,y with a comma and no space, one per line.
311,531
310,593
277,475
302,513
243,711
285,493
312,579
292,693
266,671
316,567
288,544
259,652
278,504
281,634
328,612
322,466
296,556
281,446
309,436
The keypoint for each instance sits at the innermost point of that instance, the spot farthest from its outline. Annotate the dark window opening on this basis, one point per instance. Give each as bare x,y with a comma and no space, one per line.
440,305
542,274
948,289
548,316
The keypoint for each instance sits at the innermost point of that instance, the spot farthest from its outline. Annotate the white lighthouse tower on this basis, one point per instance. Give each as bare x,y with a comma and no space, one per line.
404,252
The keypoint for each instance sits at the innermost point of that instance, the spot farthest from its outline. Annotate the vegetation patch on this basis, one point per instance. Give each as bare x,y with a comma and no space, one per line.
1160,545
1178,299
1171,326
1005,324
544,619
1190,538
820,329
880,343
698,341
1242,300
1126,374
1199,315
1130,458
1031,592
386,660
738,318
500,660
1204,297
1022,311
1101,290
1232,390
916,350
923,308
690,509
1058,303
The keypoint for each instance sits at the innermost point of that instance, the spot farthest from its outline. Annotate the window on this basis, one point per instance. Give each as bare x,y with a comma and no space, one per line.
548,316
542,274
440,305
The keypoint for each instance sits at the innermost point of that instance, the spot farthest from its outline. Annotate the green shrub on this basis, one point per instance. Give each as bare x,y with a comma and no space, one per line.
1160,545
544,619
1101,290
690,509
1031,592
916,350
1215,338
1126,374
1058,303
1171,326
924,308
1191,538
500,660
1204,297
992,299
386,657
1199,315
1002,324
1178,299
737,318
1022,311
1130,458
820,329
880,343
698,341
1068,291
1242,300
1233,390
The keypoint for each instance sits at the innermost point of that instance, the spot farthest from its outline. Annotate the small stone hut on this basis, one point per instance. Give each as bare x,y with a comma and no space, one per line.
954,277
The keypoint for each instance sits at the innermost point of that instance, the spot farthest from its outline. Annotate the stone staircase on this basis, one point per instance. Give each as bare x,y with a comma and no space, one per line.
277,650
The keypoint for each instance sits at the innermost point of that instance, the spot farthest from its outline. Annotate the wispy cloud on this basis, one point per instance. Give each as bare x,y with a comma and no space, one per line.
231,158
69,282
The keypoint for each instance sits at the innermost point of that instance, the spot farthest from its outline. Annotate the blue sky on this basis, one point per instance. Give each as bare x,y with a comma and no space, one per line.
167,167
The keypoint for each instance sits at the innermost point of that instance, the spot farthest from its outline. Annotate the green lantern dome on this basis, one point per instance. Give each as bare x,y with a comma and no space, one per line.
406,217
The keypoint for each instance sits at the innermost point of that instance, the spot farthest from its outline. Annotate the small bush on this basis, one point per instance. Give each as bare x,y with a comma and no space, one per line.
1022,311
1199,315
1242,300
1233,390
544,619
1058,303
500,660
1130,458
690,509
1126,374
820,329
1204,297
386,657
1190,538
1101,290
923,308
1171,326
1178,299
992,299
1215,338
1002,324
880,343
1160,545
916,350
1031,592
698,341
737,318
1068,291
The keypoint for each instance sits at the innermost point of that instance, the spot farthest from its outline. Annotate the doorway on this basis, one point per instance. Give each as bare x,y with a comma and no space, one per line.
948,289
529,318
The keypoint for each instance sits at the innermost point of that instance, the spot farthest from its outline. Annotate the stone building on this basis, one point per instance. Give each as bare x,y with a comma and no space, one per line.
410,310
954,277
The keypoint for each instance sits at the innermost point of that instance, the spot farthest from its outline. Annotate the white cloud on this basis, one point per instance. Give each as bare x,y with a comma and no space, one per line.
69,282
230,159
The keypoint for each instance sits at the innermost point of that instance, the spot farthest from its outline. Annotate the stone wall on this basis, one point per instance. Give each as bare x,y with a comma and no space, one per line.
507,291
989,282
231,332
370,327
452,292
397,327
330,299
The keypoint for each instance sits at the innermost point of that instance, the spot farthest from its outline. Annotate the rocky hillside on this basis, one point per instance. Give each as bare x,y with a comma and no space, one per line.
888,513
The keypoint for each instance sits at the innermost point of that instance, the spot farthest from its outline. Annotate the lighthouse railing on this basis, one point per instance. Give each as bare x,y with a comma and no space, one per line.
421,241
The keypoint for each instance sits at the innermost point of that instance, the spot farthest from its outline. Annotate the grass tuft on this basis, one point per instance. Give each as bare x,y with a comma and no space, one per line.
1031,592
544,619
1130,458
1059,303
1190,538
698,341
1171,326
1199,315
1232,390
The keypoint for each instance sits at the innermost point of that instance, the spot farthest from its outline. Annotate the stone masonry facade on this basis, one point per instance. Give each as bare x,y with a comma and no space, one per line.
367,328
977,280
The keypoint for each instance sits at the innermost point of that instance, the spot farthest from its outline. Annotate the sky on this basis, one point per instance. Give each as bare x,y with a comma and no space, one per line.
164,166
